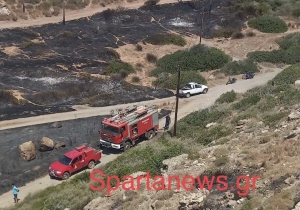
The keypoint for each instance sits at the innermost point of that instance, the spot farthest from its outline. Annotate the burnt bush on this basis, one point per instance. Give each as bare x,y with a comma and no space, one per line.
135,79
268,24
139,47
250,34
237,35
151,2
7,97
166,39
151,58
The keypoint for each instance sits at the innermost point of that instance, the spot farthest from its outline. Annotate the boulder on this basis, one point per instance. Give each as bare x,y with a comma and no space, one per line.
297,84
27,151
295,115
56,125
242,122
297,207
46,144
210,125
59,145
4,11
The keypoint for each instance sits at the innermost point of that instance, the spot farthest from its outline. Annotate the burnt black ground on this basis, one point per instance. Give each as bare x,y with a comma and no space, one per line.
13,169
80,45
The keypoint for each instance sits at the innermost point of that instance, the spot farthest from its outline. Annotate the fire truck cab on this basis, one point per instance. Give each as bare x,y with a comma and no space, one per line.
122,130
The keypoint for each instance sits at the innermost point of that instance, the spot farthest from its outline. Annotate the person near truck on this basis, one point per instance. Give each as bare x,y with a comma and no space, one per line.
15,192
168,121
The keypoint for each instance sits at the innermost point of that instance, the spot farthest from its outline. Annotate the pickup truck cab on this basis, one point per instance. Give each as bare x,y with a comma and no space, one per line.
192,88
74,161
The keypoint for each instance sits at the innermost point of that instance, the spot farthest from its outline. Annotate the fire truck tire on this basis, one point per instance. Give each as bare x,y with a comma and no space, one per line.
91,164
66,176
150,134
127,146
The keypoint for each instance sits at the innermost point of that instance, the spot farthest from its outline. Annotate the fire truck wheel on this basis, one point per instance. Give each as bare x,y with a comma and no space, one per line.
127,146
150,134
91,164
66,176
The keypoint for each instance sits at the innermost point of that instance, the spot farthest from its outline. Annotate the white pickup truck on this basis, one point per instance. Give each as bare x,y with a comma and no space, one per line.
192,88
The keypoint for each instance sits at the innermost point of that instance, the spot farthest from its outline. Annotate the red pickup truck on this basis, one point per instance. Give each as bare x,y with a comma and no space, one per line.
73,161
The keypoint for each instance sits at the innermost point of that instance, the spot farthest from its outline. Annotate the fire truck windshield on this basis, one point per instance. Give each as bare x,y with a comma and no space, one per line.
110,129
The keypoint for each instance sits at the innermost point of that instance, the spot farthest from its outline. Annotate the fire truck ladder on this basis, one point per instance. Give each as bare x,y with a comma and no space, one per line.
124,112
132,112
140,111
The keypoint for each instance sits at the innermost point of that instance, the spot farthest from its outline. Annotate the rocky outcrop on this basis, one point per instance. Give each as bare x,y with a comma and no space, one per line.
297,207
294,115
46,144
193,200
27,151
297,84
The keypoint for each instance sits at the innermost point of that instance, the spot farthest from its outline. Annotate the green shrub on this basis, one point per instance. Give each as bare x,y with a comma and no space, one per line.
273,119
242,116
44,6
267,104
202,118
78,3
287,76
117,67
164,81
296,13
247,102
289,41
221,160
213,133
268,24
148,158
223,32
275,56
199,57
227,97
292,55
166,39
239,67
288,52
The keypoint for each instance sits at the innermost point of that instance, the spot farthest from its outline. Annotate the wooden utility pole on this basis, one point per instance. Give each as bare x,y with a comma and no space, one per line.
210,6
64,13
201,26
177,99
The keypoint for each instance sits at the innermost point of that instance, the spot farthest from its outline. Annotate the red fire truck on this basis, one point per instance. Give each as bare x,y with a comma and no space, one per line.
122,130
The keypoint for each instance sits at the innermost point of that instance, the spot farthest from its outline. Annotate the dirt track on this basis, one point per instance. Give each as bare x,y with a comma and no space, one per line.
73,15
186,106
